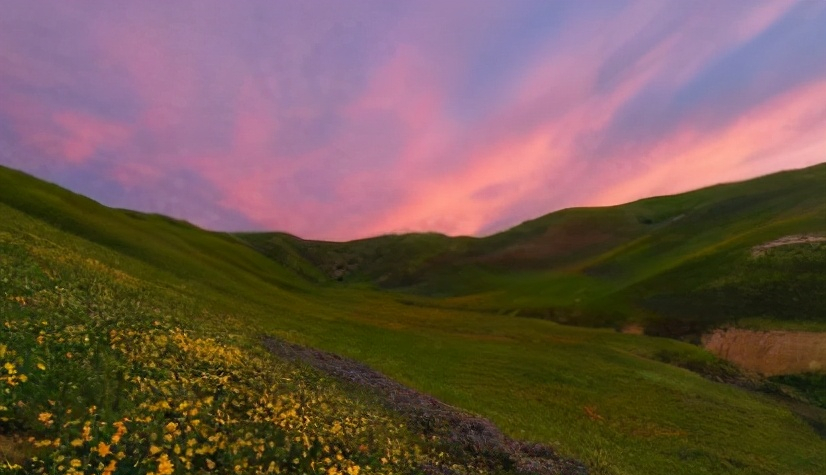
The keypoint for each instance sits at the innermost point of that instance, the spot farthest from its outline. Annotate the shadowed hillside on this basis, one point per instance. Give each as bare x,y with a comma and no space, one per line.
675,264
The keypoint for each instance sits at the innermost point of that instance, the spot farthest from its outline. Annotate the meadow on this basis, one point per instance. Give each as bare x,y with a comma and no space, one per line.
105,373
132,344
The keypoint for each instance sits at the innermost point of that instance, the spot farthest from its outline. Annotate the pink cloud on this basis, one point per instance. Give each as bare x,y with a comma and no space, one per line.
516,148
83,135
135,174
64,135
522,159
412,123
789,130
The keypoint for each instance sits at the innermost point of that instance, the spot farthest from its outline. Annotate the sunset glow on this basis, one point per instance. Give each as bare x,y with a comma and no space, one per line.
339,120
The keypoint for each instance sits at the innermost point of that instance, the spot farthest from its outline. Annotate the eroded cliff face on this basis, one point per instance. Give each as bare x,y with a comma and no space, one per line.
769,352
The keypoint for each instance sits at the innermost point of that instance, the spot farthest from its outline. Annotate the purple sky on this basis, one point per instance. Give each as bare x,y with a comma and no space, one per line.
344,119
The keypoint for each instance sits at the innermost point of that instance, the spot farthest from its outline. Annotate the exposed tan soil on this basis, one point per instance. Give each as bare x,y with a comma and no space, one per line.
633,329
769,353
13,451
786,241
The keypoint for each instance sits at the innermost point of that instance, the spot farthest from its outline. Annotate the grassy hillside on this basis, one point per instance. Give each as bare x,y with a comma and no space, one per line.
174,315
676,264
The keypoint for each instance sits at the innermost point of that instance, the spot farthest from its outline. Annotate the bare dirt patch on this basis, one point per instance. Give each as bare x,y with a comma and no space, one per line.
468,437
769,353
633,329
760,250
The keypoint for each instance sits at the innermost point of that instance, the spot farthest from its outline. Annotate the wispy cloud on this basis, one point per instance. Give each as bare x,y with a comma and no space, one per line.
339,121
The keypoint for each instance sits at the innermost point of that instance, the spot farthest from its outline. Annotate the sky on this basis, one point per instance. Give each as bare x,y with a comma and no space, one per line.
339,120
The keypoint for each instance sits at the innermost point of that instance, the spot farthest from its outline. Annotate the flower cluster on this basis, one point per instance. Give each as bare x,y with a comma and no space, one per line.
99,377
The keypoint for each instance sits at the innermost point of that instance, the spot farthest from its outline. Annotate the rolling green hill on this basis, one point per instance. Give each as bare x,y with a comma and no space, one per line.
675,264
154,324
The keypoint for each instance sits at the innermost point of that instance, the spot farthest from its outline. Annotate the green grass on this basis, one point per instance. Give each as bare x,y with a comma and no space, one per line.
769,324
810,386
598,395
677,264
104,372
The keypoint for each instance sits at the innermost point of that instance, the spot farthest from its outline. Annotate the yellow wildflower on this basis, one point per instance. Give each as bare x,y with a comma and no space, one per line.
165,466
121,427
103,449
45,417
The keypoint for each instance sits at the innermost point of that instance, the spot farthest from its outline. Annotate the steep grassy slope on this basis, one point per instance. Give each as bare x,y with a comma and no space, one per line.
177,247
598,395
105,372
677,264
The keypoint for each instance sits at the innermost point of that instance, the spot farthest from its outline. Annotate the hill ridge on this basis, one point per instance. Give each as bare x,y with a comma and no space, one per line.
190,307
604,255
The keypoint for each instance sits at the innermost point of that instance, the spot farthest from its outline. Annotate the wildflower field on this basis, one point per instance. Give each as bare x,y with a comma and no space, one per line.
101,375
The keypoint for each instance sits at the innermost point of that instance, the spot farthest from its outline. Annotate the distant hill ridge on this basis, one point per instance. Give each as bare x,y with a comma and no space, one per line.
432,312
676,264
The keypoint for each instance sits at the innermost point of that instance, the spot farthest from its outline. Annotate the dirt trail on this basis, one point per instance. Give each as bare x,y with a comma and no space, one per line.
786,241
467,436
769,352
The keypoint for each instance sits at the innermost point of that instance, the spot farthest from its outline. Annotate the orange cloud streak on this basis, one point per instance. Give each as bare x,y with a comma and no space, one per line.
789,129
